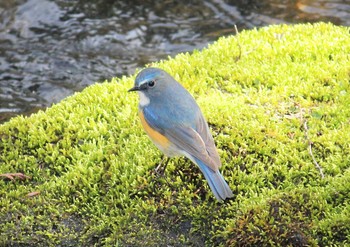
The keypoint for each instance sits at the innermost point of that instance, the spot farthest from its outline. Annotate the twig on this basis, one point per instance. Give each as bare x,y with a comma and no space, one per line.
239,45
309,143
12,176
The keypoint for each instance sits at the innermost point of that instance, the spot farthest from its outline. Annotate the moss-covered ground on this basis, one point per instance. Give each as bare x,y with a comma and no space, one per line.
278,103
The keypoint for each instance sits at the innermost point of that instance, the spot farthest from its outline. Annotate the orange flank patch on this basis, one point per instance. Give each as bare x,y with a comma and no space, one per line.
156,137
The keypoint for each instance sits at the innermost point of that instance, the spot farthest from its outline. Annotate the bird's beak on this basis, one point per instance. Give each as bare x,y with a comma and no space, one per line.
134,89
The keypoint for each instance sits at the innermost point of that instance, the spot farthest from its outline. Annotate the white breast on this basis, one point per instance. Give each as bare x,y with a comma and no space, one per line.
144,100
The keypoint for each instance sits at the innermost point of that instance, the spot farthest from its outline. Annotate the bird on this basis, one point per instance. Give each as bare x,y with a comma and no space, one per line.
175,124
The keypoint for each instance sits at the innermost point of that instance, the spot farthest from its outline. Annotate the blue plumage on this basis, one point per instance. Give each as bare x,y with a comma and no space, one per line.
216,181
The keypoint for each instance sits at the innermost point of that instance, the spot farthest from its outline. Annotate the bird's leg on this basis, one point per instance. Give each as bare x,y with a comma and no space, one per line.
160,169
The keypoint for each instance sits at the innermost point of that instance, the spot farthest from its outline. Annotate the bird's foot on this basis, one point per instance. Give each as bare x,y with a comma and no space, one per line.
160,169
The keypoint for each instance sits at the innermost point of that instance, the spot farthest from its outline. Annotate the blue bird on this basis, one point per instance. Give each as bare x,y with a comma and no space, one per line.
174,122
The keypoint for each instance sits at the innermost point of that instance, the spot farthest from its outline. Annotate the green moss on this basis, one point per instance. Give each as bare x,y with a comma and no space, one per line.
268,94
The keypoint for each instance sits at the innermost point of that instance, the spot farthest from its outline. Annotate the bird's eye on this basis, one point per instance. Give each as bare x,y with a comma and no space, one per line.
151,83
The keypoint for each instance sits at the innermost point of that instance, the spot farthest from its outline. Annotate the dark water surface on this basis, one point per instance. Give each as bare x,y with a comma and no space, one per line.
52,48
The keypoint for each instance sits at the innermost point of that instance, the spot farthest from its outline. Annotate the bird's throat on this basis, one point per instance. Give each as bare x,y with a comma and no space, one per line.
144,100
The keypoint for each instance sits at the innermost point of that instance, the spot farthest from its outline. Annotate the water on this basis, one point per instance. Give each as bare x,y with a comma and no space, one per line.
50,49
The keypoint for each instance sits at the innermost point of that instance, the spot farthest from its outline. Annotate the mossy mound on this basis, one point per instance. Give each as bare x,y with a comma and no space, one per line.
278,103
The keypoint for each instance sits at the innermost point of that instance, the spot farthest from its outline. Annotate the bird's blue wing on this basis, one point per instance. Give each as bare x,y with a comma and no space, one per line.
197,142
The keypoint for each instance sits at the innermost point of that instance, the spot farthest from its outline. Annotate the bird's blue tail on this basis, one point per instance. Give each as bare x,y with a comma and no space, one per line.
216,181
